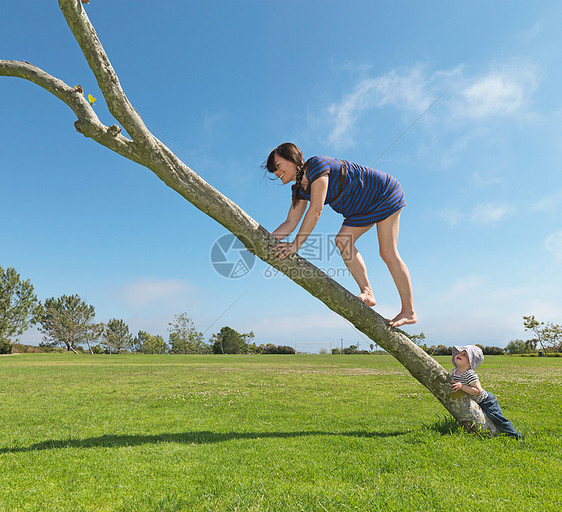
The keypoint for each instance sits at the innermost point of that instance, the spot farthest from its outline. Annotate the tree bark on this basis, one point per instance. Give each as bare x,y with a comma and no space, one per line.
148,151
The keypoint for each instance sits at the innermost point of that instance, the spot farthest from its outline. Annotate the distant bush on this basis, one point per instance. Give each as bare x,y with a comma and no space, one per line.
270,348
442,350
20,348
536,354
146,343
493,351
284,349
352,349
521,346
229,341
5,346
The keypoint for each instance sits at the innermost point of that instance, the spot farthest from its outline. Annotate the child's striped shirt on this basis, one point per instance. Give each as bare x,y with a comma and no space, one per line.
468,378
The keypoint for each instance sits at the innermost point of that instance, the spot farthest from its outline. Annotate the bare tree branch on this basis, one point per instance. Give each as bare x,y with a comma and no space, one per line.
88,122
117,102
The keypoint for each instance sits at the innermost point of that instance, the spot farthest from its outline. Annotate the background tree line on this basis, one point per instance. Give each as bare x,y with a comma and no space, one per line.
548,337
68,321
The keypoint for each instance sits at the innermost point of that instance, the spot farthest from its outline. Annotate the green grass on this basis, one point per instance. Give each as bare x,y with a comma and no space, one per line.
268,433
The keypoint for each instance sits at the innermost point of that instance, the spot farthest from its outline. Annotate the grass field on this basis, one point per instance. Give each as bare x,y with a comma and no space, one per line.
271,433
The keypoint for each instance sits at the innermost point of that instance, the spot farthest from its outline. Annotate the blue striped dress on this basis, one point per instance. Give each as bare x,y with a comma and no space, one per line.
362,195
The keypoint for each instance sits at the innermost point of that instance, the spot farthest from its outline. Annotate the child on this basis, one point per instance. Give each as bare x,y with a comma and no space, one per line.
466,359
364,197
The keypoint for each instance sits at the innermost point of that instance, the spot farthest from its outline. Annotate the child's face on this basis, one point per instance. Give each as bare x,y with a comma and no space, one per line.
461,359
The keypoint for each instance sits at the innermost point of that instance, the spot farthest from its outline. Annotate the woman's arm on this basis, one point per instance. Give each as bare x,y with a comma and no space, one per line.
292,221
319,189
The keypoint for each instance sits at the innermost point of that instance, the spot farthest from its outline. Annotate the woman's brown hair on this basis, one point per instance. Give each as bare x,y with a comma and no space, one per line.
292,153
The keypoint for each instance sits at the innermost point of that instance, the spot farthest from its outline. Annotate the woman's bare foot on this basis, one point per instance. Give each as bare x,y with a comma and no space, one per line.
367,297
403,318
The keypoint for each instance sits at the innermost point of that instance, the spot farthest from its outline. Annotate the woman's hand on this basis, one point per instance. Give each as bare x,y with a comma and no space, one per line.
284,249
456,386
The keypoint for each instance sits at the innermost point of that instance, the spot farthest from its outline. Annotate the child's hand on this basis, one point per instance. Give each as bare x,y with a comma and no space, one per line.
456,386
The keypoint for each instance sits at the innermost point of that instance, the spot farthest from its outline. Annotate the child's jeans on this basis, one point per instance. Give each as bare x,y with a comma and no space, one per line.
492,409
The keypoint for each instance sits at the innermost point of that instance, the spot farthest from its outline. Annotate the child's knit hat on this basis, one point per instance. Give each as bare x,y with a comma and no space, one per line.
475,355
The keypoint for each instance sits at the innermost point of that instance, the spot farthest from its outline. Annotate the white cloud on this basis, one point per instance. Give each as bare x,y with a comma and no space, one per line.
549,203
532,32
485,214
152,292
482,214
503,91
553,243
464,287
451,216
407,91
491,95
485,180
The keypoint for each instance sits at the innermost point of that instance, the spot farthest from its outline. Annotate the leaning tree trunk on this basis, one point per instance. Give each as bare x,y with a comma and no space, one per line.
145,149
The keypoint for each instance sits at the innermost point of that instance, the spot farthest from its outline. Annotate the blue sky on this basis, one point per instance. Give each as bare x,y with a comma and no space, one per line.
223,83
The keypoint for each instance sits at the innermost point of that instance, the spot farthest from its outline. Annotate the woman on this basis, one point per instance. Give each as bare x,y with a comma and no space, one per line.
364,197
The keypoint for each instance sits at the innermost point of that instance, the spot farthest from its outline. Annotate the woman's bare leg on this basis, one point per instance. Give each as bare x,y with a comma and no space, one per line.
387,231
345,242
